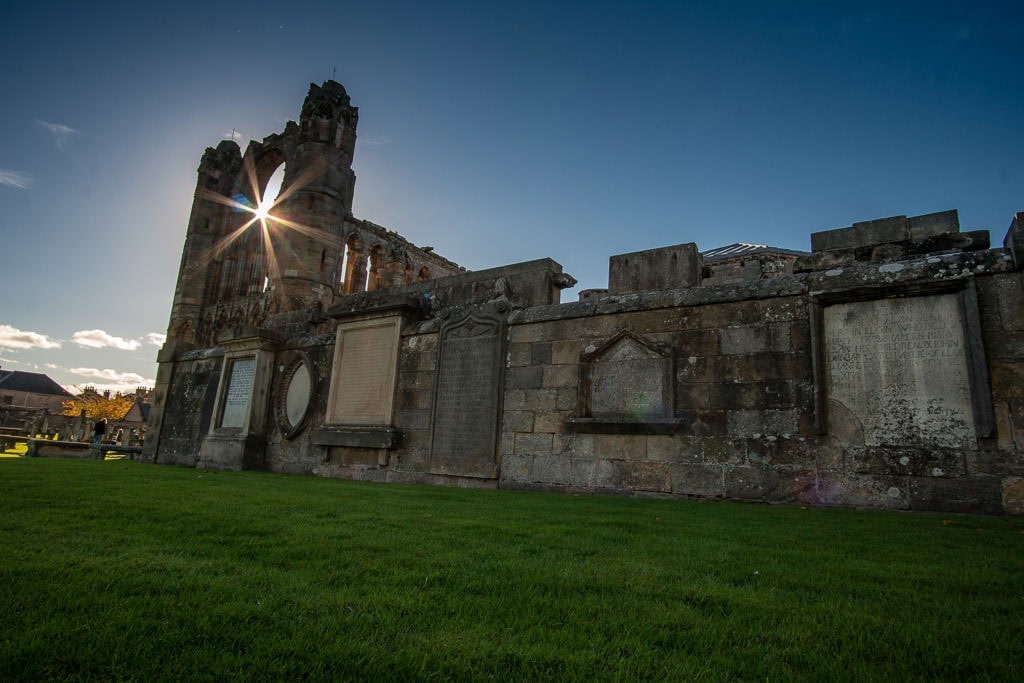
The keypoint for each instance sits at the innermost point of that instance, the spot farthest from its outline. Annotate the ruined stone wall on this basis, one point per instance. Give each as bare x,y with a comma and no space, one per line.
883,369
745,422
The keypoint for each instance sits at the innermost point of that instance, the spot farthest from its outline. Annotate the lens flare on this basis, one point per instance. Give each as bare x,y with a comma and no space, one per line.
262,212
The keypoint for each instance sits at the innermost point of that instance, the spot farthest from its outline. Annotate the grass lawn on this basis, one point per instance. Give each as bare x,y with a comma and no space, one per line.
117,570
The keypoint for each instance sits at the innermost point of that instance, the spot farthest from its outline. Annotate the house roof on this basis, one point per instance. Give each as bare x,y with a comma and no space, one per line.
30,382
742,248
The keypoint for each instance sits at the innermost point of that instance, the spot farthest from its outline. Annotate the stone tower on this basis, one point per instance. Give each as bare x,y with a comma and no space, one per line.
233,273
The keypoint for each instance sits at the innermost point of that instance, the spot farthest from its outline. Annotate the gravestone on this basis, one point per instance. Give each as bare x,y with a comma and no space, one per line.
897,372
467,391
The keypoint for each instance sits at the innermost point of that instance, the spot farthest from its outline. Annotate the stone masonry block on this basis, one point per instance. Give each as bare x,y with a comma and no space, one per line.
545,423
757,423
412,419
767,483
908,462
697,342
1014,240
777,451
746,339
540,400
517,421
780,337
530,377
1013,495
1008,291
551,469
723,450
519,355
566,352
654,269
516,468
1007,379
853,490
528,333
508,444
753,395
515,399
977,495
642,476
540,353
781,310
566,398
583,472
692,396
533,444
705,481
932,224
556,376
680,449
862,234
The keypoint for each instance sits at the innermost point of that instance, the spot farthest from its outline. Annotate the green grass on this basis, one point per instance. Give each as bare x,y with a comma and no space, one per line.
118,570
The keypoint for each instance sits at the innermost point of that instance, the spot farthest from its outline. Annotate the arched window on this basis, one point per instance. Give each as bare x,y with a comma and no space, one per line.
375,276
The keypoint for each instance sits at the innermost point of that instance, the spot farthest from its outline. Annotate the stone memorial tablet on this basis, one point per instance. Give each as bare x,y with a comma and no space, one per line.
466,398
238,393
896,371
363,377
294,396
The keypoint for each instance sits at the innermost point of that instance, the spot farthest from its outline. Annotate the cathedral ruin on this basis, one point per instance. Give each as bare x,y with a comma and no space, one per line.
883,369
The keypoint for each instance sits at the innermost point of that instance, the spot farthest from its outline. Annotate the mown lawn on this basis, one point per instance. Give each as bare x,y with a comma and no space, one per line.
119,570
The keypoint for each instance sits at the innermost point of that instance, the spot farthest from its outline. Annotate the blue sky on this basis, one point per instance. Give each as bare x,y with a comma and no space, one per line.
494,132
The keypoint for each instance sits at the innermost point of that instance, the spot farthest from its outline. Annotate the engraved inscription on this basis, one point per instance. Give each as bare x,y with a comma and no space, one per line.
466,395
236,398
898,368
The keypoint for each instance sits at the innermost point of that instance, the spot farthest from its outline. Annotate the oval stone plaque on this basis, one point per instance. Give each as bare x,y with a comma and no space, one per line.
294,396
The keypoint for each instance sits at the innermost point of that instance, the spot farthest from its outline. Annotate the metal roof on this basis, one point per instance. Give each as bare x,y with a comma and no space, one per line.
742,248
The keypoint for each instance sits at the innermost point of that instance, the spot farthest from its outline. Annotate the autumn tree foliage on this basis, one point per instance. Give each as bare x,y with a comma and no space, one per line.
98,405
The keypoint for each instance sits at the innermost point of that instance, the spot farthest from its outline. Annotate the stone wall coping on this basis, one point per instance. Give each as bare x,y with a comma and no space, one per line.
953,266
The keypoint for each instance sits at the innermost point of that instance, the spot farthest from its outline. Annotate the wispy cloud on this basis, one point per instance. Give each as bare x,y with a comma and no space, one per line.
18,179
111,380
233,135
374,141
98,339
156,338
110,375
13,338
58,131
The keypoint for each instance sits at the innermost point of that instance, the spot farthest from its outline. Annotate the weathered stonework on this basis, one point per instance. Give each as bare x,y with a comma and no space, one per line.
883,369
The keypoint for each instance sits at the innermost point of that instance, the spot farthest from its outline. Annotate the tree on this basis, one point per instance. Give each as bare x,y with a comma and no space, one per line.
97,406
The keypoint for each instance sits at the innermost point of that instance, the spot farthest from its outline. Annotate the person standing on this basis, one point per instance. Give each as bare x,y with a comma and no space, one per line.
98,431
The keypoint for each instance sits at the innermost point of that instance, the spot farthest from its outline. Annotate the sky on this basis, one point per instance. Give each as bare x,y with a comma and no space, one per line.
494,132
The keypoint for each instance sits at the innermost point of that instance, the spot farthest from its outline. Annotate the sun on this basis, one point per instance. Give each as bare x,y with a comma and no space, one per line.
262,212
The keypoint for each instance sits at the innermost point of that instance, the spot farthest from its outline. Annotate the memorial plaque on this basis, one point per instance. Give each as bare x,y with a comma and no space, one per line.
629,380
363,378
467,389
238,393
294,396
896,371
